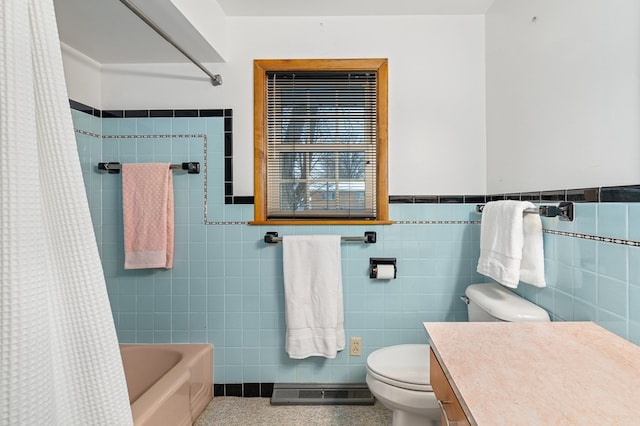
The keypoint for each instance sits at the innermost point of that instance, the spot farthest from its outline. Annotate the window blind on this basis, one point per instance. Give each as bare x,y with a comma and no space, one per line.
321,144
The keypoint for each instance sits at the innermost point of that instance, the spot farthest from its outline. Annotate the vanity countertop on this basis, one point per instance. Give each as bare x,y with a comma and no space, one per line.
553,373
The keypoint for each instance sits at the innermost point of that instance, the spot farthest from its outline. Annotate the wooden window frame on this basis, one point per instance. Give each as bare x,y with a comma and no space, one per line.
260,69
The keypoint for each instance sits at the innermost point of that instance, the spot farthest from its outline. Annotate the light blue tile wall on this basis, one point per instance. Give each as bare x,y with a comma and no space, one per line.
589,280
226,285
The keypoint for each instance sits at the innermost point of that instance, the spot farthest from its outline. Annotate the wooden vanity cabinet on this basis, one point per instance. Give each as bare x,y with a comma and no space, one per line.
452,413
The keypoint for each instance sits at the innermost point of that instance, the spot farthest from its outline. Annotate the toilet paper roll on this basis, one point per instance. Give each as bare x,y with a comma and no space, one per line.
385,272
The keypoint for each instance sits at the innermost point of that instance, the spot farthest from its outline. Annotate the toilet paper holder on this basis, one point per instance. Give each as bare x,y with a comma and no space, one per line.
375,261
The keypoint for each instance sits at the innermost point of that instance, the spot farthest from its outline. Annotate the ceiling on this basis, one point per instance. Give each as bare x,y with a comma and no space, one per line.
109,33
353,7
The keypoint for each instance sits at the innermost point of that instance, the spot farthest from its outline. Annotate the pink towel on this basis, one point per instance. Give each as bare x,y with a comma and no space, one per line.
147,205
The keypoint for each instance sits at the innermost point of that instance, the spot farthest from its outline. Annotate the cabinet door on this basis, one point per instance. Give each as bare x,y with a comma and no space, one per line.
450,405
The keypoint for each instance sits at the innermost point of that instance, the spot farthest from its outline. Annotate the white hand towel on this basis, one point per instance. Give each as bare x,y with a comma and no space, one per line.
313,296
532,264
510,253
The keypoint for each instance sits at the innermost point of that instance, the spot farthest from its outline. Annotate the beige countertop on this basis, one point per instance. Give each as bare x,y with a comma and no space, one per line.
555,373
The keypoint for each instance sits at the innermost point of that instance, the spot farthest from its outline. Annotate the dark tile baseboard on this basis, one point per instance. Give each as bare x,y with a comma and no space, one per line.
245,390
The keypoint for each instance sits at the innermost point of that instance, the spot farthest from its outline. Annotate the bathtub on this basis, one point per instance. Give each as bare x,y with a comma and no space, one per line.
168,384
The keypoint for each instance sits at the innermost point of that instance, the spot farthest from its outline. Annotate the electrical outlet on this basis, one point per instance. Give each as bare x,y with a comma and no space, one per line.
355,348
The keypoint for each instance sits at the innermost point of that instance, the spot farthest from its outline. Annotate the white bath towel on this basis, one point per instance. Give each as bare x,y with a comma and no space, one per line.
532,264
313,296
511,244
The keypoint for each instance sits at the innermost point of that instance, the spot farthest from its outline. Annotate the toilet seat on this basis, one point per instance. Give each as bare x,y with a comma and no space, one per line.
403,366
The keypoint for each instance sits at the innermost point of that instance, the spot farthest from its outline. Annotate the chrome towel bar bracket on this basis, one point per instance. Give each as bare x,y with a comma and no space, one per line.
193,168
563,211
369,238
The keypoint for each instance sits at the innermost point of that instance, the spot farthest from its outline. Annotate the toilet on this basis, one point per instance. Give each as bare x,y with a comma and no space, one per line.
398,376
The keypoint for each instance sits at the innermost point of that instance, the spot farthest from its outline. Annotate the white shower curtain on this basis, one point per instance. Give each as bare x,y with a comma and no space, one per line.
59,357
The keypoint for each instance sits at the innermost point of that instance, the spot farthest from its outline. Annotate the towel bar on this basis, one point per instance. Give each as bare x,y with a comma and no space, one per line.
193,168
369,238
564,210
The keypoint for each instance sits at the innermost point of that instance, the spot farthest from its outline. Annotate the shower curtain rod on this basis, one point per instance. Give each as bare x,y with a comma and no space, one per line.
216,79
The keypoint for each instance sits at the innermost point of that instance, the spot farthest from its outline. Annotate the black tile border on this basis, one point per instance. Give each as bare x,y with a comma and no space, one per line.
84,108
450,199
406,199
218,389
251,390
113,114
153,113
624,194
475,199
233,389
186,113
243,200
266,390
605,194
226,113
136,113
228,159
161,113
585,195
245,390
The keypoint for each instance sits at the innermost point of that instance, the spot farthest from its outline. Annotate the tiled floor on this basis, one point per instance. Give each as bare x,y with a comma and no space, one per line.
235,411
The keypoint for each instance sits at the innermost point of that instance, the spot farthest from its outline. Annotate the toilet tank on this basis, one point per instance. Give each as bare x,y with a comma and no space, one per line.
493,302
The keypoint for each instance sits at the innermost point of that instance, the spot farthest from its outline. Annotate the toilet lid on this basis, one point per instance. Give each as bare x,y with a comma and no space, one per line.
405,366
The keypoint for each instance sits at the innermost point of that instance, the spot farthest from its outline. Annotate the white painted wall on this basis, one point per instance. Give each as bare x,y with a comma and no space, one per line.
436,89
83,77
210,21
563,94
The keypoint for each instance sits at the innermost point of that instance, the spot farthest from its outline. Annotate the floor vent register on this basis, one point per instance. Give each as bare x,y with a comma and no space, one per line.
321,394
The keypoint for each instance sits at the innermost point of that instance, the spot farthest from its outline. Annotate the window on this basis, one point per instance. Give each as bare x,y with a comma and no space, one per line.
320,141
